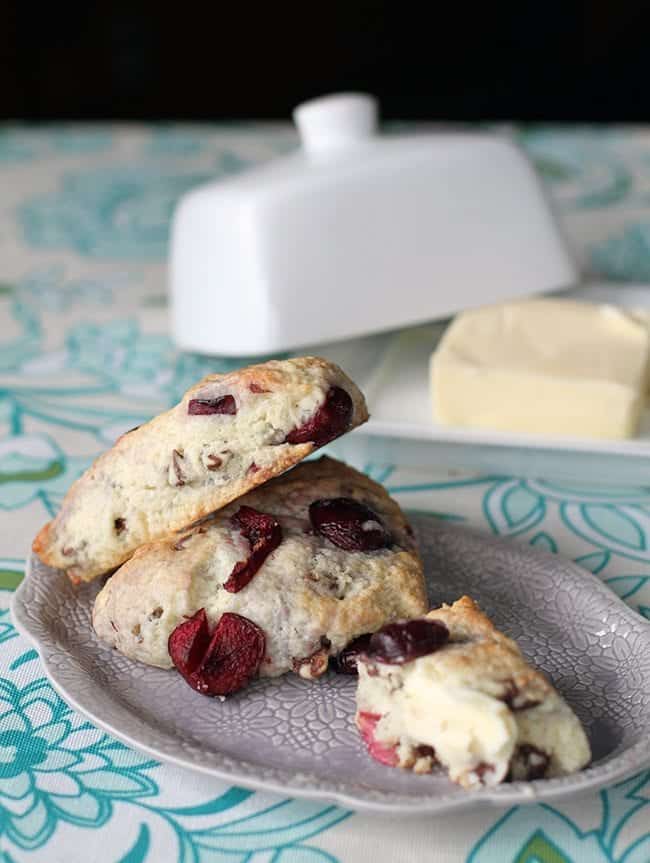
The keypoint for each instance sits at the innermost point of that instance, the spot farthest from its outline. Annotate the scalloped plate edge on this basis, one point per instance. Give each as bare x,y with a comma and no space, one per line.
614,769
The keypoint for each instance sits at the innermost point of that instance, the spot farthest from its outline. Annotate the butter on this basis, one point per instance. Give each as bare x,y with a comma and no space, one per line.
546,366
466,727
420,703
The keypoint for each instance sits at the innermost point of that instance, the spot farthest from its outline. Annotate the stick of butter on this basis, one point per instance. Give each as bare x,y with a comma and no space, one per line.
545,366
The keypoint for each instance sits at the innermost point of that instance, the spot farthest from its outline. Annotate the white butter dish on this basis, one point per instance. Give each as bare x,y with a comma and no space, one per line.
357,233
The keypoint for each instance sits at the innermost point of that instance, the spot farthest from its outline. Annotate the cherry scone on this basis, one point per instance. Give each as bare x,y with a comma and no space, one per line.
450,689
230,433
278,581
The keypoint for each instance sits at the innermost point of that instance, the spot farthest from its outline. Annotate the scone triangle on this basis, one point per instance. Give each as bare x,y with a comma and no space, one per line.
330,576
451,689
230,433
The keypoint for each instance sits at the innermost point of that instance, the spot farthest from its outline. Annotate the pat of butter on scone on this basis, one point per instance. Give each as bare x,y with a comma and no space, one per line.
544,366
463,725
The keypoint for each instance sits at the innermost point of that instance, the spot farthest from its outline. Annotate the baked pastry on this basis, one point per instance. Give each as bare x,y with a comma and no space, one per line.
450,688
230,433
312,559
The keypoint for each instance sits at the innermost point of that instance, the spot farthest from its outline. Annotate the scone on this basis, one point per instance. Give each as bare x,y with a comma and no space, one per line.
229,434
451,689
311,560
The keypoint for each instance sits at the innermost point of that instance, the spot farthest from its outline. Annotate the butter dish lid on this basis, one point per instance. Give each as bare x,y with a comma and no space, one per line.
358,232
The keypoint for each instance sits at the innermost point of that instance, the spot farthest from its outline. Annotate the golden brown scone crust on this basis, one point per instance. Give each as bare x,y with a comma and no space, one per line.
161,477
308,594
487,654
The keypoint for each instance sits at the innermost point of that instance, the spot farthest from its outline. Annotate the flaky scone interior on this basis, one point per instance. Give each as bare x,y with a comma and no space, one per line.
450,689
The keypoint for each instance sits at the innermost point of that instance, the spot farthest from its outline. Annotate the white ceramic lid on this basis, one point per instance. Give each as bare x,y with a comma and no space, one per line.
357,233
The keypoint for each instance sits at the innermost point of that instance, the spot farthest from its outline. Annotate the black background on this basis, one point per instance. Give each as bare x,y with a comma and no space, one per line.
529,61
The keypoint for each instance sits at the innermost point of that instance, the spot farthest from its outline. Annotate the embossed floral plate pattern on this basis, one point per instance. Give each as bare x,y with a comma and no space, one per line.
297,737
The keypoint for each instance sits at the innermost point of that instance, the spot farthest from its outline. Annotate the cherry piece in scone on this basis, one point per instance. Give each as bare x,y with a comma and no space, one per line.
188,643
403,641
346,661
515,699
330,420
349,524
528,763
221,663
222,405
264,535
367,724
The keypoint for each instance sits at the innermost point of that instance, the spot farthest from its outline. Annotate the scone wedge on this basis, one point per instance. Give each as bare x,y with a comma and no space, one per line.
313,559
230,433
451,689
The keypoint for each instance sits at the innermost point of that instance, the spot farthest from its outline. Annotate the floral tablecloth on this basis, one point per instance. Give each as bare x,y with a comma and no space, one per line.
85,354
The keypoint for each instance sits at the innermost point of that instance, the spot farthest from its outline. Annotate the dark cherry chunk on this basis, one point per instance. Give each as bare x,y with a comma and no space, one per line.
424,751
264,535
188,643
528,763
120,525
403,641
222,405
515,699
222,662
346,661
348,524
330,420
256,388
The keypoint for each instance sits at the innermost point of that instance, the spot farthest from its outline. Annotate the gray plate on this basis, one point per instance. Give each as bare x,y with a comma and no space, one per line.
298,738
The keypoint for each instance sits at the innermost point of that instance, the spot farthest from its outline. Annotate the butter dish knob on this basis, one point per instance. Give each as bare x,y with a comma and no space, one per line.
332,123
